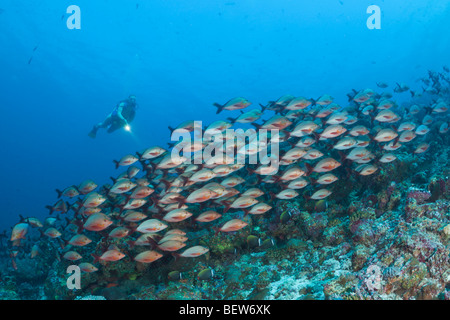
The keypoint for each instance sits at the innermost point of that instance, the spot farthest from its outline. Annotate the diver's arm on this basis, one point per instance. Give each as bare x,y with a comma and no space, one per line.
119,113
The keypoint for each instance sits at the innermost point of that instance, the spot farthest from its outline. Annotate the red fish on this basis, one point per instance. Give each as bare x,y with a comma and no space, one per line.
233,225
97,222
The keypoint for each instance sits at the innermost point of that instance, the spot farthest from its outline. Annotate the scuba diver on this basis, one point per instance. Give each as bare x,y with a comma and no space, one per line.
120,117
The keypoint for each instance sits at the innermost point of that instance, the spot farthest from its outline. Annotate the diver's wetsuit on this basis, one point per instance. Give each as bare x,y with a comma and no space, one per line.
122,114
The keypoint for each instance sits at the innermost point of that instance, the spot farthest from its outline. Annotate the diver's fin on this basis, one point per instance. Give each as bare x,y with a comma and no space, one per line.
93,133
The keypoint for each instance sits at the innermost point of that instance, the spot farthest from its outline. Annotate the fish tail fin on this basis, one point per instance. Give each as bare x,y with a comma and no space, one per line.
127,197
313,181
309,169
181,200
428,109
272,195
263,108
358,112
350,97
216,230
75,208
259,179
178,170
171,144
184,180
41,233
131,244
153,244
227,206
291,143
219,107
232,120
142,162
276,178
316,136
132,230
50,208
287,133
68,206
96,258
171,129
180,204
313,101
176,256
154,199
78,223
250,170
381,147
342,156
193,225
149,169
63,243
166,183
68,221
257,126
76,188
246,212
406,111
396,140
117,163
59,192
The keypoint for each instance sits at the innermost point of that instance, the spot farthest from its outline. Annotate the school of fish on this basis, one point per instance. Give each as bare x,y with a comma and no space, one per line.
320,143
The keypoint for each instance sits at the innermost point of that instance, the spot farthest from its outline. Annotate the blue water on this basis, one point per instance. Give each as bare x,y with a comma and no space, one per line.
178,57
